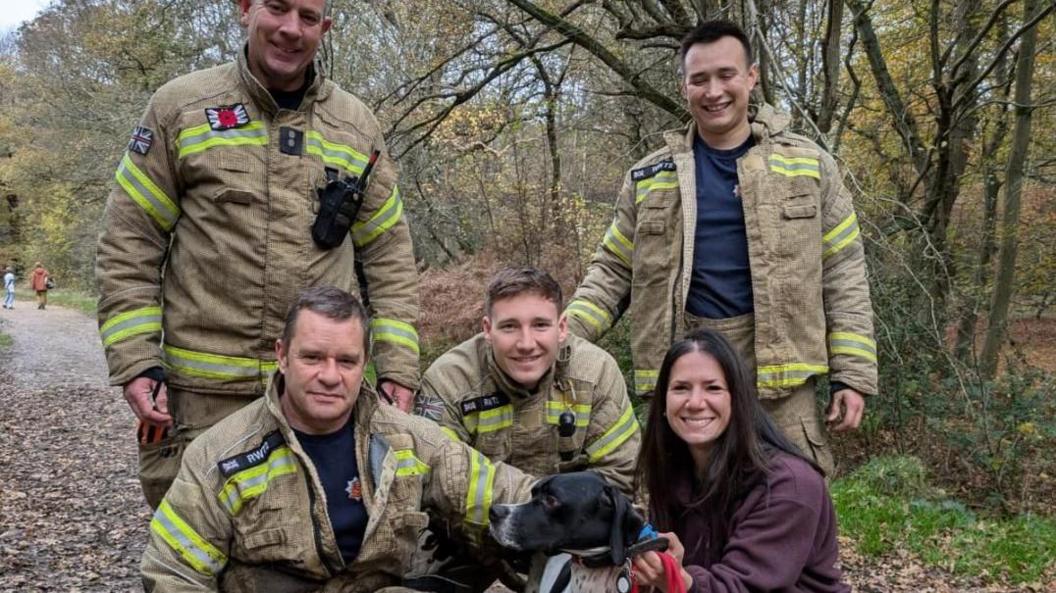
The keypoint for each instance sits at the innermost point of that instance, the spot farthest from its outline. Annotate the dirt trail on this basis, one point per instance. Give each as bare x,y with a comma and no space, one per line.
71,514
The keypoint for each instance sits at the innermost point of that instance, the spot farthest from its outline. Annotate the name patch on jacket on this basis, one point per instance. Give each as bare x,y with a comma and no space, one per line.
227,117
484,403
651,170
233,465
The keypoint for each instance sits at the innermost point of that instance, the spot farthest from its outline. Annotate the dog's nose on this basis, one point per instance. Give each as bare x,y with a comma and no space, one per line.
498,512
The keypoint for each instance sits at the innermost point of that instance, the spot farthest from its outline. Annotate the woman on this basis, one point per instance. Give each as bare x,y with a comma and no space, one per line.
9,288
747,511
39,281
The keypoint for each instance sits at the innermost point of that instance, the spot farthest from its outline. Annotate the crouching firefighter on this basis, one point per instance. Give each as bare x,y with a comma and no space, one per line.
312,487
526,393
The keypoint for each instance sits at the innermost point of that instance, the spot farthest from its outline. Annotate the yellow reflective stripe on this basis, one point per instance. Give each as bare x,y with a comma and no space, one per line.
384,219
554,409
337,155
591,313
841,236
618,244
479,493
662,180
394,331
645,379
788,375
193,548
131,323
470,422
451,434
615,436
408,464
215,366
252,482
203,137
493,420
853,345
147,194
795,166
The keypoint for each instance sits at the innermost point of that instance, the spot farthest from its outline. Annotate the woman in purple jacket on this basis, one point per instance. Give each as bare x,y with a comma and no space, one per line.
746,511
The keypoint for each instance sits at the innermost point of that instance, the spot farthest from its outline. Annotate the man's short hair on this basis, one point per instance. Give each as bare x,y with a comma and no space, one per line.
330,302
510,282
710,32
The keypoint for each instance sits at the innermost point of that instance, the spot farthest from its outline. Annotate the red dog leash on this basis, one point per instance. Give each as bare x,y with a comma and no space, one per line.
671,571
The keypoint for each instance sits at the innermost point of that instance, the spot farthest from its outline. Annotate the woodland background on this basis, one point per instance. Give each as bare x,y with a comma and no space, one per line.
513,122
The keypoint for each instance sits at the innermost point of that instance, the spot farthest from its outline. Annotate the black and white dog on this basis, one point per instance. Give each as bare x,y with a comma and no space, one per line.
587,519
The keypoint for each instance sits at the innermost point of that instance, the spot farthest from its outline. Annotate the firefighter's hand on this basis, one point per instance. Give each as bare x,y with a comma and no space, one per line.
847,407
156,412
397,394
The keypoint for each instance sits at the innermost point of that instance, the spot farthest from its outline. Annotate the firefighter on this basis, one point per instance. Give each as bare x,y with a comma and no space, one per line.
210,232
741,226
525,392
314,487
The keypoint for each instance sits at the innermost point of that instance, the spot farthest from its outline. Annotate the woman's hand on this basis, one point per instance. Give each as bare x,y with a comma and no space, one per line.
649,569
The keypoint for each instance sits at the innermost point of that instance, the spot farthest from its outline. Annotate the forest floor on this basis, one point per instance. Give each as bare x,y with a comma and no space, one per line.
71,514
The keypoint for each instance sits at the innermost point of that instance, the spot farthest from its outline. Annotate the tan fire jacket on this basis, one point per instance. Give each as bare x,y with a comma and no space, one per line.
812,310
208,232
474,401
247,511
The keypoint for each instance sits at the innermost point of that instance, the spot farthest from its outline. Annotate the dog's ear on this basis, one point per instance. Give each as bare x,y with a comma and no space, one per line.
626,524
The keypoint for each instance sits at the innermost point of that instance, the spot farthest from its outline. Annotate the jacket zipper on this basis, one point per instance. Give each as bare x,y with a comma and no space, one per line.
317,531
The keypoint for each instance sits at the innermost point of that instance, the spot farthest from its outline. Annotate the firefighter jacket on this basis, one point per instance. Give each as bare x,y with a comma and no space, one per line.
475,402
811,298
207,238
247,511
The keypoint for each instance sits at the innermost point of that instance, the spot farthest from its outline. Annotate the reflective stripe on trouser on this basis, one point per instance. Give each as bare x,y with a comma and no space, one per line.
797,414
193,414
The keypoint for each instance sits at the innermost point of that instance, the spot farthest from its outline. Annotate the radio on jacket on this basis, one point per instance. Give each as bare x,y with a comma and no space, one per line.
339,203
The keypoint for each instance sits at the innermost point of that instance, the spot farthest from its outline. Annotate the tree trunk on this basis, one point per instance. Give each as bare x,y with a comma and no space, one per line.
1017,158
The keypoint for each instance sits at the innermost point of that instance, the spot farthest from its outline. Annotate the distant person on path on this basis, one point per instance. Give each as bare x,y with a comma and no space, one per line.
741,226
223,186
39,281
9,288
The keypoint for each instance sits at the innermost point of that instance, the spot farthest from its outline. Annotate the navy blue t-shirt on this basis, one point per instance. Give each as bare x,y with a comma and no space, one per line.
334,457
721,284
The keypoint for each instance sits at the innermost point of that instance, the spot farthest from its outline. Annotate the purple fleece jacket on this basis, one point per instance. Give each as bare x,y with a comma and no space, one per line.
782,538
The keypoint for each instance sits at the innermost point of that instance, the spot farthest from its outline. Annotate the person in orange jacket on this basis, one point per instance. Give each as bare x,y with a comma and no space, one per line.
39,281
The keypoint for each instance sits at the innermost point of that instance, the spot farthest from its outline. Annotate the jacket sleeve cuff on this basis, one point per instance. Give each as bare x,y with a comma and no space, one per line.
134,370
848,383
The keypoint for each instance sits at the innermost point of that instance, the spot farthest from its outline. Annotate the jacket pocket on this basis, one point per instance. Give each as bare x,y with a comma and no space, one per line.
407,528
798,225
652,247
494,445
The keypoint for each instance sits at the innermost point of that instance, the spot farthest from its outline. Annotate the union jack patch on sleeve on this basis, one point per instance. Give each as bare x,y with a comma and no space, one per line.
141,140
430,407
227,117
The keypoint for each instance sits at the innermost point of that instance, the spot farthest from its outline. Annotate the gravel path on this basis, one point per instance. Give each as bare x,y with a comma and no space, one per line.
71,515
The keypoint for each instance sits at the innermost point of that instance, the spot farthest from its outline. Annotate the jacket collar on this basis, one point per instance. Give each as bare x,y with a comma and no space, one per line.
318,90
765,121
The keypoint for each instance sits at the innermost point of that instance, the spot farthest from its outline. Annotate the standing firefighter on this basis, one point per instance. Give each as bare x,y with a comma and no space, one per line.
740,226
240,186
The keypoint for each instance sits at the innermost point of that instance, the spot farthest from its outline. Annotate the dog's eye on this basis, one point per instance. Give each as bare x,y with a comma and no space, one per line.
550,502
